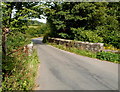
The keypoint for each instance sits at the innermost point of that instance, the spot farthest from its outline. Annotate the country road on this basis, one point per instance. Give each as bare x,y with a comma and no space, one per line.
62,70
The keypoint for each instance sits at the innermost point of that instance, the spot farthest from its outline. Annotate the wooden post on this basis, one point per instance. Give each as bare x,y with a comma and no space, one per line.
5,30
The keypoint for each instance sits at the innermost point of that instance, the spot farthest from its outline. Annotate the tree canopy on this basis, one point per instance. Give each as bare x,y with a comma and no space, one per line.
16,16
85,21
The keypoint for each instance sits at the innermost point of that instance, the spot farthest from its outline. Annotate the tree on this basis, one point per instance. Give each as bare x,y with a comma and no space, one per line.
69,19
24,11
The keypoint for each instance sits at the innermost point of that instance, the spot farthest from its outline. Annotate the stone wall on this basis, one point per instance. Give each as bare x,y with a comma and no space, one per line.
95,47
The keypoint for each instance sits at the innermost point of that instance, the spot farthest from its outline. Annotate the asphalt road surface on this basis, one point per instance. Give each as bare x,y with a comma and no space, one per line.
62,70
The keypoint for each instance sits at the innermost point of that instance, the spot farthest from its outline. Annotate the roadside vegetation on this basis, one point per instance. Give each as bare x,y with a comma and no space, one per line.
18,68
108,56
20,72
80,21
37,30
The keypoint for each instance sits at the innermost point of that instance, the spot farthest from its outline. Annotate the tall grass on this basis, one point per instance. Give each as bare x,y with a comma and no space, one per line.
20,72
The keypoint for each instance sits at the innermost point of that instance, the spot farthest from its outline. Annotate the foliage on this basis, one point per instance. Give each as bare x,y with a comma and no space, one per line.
86,35
108,56
45,38
17,22
46,29
20,72
86,21
34,31
23,12
18,69
63,35
75,50
33,23
100,19
37,30
110,47
16,39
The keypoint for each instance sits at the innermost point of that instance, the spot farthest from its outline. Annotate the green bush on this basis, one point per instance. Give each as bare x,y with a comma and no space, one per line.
37,30
86,35
17,39
108,56
63,35
90,36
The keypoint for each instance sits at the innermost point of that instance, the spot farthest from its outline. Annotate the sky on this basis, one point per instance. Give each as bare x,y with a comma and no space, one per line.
43,20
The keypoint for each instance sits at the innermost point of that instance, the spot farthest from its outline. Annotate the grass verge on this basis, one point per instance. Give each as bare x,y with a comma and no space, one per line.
75,50
20,72
108,56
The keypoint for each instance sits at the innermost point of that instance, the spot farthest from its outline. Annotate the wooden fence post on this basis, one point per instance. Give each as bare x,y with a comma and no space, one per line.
5,30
